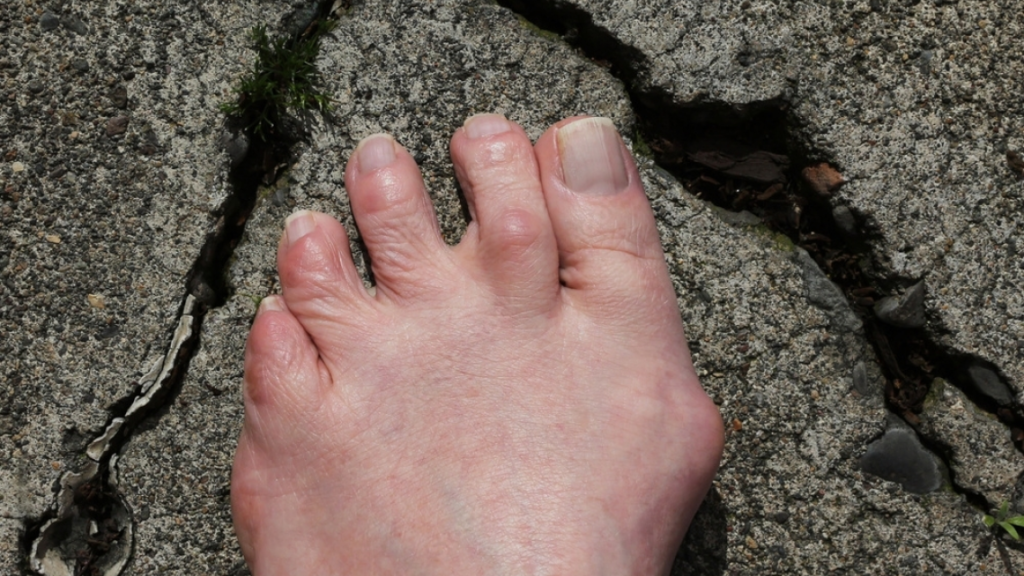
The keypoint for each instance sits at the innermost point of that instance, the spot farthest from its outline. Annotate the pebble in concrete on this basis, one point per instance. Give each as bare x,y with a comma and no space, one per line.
906,311
986,381
899,456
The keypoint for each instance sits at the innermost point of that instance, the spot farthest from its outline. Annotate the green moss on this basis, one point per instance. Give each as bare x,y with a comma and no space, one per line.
640,146
782,242
284,79
256,300
935,392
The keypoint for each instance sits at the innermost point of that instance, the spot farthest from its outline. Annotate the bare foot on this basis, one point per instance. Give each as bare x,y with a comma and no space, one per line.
522,403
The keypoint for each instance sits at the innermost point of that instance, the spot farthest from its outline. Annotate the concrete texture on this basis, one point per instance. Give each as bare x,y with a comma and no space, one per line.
100,221
914,102
981,455
100,227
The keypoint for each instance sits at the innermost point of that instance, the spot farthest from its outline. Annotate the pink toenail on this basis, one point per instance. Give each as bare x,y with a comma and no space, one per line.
375,152
271,304
298,225
591,155
483,125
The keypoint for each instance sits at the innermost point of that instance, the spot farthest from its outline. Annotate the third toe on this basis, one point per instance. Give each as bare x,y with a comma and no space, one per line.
395,218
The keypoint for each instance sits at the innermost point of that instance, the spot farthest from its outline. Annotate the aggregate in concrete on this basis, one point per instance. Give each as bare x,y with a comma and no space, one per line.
981,454
95,257
109,178
917,105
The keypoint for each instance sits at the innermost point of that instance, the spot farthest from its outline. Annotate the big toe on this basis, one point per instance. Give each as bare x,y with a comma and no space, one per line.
608,245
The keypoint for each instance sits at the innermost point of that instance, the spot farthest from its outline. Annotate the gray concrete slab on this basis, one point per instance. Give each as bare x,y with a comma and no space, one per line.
11,556
913,102
99,232
109,178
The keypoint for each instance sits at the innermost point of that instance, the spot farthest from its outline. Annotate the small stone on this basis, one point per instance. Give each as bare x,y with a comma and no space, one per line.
18,167
751,543
988,382
97,301
845,221
905,311
52,238
237,148
80,64
49,21
117,125
75,25
1015,162
823,179
35,86
861,383
204,293
119,97
898,456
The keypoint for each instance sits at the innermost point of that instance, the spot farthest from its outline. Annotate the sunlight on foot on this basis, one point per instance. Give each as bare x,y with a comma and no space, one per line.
522,403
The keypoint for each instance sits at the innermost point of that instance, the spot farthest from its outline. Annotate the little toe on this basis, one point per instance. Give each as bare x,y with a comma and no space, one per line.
395,218
284,379
607,237
510,238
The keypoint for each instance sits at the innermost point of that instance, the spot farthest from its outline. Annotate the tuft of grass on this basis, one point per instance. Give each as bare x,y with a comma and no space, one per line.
1005,521
640,145
284,79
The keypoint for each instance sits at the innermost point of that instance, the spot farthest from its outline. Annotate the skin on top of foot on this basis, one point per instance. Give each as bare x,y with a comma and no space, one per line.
521,403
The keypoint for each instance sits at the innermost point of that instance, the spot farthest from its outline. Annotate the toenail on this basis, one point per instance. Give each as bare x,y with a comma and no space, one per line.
483,125
298,225
375,152
271,304
591,155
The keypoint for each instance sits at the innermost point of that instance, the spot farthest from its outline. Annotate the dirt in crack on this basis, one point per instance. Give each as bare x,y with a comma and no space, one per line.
744,158
88,532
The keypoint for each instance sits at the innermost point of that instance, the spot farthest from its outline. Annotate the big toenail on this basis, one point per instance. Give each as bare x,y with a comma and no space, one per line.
298,225
271,304
375,152
483,125
591,155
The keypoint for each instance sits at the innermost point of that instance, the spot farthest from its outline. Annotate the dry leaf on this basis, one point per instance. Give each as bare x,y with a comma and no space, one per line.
823,179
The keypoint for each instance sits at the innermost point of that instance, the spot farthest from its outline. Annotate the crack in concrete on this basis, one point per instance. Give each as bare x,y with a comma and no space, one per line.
89,529
764,126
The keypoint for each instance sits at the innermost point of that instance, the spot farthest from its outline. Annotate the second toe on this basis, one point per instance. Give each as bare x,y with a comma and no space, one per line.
510,242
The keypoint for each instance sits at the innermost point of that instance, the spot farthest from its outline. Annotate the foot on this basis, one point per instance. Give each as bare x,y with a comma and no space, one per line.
522,403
